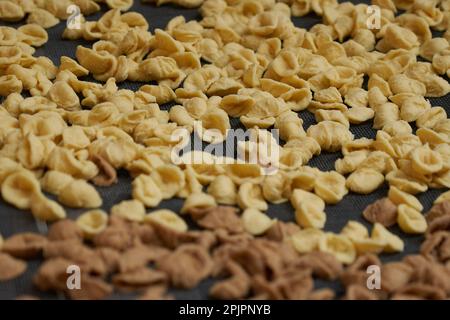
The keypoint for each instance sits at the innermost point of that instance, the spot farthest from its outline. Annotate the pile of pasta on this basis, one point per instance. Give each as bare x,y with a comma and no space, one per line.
48,13
244,59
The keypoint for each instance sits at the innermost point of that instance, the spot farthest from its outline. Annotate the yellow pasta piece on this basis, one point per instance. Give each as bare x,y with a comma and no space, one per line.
92,222
146,190
19,187
426,161
79,194
410,220
355,230
169,179
10,11
54,181
330,186
223,190
364,181
338,245
309,215
250,196
330,135
45,209
132,210
306,240
399,197
255,222
166,218
198,200
393,242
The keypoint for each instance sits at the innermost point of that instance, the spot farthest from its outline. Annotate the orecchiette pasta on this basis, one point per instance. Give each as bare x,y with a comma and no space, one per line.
364,181
45,209
223,190
338,245
92,222
330,186
166,218
306,240
256,222
392,242
19,188
250,196
330,135
132,210
79,194
410,220
146,190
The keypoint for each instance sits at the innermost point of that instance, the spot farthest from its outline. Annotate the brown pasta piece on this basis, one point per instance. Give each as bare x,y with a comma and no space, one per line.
187,265
107,174
382,211
10,267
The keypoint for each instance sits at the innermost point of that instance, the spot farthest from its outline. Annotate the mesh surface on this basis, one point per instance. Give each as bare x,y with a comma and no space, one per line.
13,220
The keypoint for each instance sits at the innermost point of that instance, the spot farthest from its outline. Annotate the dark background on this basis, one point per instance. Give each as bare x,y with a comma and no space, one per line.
14,221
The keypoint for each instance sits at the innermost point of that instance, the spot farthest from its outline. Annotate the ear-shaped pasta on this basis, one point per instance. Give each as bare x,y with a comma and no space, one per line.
192,184
385,113
64,160
355,230
162,93
10,84
400,83
392,242
215,125
309,216
198,201
54,181
338,245
122,5
242,172
285,64
364,181
146,190
410,220
273,187
330,186
306,240
169,179
131,210
426,161
431,117
255,222
405,183
19,187
43,18
223,189
329,95
330,135
236,105
413,107
92,222
399,197
331,115
64,96
250,196
301,196
45,209
10,11
167,219
33,34
80,194
202,79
